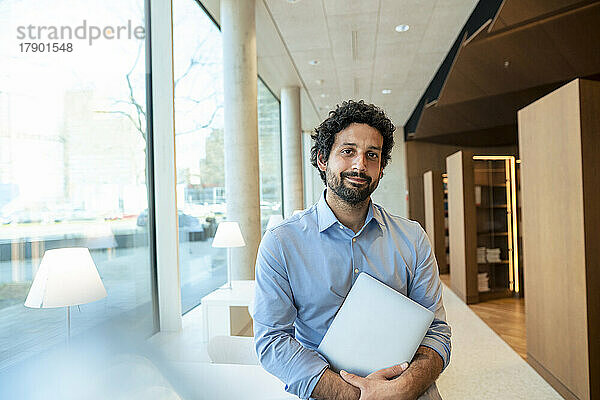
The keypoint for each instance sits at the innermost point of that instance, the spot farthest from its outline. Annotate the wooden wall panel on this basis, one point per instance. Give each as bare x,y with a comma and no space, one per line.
462,226
433,194
555,231
590,145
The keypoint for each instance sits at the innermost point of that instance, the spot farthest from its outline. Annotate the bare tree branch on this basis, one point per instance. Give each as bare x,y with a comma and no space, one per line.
128,117
203,126
138,117
191,65
198,101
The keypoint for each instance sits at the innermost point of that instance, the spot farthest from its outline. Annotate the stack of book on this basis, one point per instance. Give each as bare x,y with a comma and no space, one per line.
483,282
493,255
481,255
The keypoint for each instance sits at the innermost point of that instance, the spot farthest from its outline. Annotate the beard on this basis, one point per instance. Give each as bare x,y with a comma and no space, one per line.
350,192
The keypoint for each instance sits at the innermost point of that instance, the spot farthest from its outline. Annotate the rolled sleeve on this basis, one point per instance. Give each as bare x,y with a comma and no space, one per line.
426,289
274,314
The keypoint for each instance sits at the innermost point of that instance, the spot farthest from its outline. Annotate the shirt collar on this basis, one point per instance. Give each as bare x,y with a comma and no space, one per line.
326,217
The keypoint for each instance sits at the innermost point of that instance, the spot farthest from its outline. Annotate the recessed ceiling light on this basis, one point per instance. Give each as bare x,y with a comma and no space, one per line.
386,91
323,95
313,62
319,82
402,28
293,1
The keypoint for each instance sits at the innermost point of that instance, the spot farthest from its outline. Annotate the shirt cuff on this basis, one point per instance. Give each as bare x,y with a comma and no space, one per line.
314,380
303,384
439,347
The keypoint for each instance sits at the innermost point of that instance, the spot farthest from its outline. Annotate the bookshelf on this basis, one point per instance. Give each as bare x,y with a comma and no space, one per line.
496,210
483,219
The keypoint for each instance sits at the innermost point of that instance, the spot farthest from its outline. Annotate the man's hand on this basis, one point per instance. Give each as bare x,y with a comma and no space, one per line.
380,385
409,383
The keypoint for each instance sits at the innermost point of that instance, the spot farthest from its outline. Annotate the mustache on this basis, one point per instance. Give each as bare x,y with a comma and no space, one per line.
360,175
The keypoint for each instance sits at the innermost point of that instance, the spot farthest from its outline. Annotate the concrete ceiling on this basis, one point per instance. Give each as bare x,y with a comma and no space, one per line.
358,51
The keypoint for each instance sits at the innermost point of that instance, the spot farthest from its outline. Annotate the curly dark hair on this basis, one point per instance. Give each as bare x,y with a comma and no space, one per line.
339,119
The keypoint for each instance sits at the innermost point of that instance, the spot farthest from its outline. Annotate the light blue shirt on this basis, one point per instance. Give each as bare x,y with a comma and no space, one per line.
306,266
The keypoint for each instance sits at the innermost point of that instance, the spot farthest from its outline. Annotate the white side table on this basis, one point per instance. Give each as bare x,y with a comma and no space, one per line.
216,312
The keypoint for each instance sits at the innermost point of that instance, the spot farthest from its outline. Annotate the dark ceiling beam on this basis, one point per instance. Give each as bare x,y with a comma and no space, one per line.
479,114
483,11
505,135
498,71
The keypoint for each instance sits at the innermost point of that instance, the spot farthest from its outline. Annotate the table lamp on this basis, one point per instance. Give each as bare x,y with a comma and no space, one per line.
66,277
228,235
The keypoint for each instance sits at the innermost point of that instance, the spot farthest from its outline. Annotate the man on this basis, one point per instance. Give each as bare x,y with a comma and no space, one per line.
307,264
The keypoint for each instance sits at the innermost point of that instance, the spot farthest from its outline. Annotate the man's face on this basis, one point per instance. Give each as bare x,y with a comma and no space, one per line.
353,169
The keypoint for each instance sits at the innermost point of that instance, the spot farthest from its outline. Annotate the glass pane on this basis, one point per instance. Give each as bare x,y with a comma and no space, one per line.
199,150
72,163
269,147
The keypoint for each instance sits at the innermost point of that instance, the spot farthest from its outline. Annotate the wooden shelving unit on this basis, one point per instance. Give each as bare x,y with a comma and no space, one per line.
497,239
483,226
433,195
558,143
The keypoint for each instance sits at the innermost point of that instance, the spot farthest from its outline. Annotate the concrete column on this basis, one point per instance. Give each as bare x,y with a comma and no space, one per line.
291,150
241,130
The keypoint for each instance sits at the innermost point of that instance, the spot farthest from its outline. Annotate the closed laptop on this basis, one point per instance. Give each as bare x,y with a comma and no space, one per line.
375,328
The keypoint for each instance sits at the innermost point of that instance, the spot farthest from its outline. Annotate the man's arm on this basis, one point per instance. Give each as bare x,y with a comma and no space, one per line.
424,369
426,289
274,315
331,386
397,382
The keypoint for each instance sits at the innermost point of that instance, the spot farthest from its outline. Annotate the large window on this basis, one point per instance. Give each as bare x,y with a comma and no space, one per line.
200,152
72,163
269,147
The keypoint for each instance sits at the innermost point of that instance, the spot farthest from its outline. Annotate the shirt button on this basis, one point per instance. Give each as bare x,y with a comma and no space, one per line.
354,239
341,226
356,270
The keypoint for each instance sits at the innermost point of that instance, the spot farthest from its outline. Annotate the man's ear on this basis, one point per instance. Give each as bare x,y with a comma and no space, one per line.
321,163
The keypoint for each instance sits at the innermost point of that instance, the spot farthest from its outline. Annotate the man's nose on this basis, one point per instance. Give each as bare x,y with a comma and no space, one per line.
360,163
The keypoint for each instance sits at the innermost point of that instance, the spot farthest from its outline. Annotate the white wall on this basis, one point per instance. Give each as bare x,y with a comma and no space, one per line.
313,185
392,190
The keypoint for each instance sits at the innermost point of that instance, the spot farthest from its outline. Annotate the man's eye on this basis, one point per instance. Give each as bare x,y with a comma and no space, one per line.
346,151
373,155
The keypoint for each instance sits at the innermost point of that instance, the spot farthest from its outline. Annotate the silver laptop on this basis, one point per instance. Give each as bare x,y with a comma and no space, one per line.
375,328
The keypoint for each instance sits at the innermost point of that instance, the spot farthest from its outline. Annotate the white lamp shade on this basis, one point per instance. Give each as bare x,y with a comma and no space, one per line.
228,235
274,220
66,277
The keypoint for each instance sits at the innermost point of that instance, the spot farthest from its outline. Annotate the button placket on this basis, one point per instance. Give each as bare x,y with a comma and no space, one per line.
355,270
